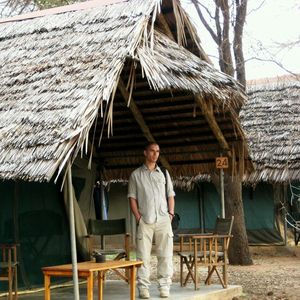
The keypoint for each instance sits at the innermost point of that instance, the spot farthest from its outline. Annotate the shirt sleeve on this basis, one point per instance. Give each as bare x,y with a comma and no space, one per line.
170,191
132,190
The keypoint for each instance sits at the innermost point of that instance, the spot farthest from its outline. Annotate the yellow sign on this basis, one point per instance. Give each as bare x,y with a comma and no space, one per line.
222,162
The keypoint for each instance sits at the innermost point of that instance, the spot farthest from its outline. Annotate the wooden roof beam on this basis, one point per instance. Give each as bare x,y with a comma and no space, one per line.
140,120
207,111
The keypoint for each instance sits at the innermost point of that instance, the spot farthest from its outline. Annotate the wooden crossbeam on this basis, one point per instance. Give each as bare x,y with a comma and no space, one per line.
207,111
140,120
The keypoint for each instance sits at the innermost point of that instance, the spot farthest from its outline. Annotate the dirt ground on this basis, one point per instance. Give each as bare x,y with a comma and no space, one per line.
275,274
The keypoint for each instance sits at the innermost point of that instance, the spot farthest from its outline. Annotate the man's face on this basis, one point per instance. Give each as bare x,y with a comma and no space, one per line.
152,153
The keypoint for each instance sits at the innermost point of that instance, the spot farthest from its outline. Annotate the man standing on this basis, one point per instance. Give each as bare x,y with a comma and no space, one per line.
153,213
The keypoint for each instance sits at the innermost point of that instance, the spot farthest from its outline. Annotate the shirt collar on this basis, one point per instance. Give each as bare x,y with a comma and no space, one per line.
145,168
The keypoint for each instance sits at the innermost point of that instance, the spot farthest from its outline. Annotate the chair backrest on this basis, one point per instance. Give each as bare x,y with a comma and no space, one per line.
103,228
8,255
107,227
223,225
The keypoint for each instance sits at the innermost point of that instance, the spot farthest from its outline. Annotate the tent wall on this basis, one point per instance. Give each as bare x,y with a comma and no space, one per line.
118,207
260,215
259,209
33,215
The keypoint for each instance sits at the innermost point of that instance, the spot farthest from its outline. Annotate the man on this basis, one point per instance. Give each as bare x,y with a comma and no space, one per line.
153,213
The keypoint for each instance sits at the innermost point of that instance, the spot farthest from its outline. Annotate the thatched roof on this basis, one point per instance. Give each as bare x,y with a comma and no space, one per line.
63,70
271,121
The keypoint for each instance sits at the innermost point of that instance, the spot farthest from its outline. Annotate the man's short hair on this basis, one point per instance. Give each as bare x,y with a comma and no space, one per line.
148,144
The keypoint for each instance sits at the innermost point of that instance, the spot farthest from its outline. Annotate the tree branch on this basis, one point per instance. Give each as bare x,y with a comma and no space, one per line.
206,25
276,63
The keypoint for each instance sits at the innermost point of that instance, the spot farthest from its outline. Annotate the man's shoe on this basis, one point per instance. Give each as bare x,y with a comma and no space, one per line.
164,293
144,294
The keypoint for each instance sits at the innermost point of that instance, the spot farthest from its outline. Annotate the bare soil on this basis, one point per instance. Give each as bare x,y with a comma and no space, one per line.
275,274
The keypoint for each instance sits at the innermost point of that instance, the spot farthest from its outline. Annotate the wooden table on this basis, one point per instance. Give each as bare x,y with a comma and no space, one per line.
86,270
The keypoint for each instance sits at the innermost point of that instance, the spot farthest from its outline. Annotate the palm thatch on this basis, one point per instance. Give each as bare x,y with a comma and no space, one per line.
271,120
67,72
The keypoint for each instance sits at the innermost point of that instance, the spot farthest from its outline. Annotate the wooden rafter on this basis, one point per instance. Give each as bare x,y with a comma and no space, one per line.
140,120
207,111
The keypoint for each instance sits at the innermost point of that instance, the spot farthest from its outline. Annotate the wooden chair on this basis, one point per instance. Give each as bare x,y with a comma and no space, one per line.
103,229
205,249
8,268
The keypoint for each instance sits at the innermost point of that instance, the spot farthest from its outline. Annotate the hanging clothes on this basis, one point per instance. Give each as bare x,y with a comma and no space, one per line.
100,202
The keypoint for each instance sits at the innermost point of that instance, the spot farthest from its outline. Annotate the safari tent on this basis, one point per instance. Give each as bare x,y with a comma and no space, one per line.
87,85
271,122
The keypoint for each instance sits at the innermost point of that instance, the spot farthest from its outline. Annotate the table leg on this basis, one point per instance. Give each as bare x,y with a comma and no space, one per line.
47,286
132,282
90,286
100,284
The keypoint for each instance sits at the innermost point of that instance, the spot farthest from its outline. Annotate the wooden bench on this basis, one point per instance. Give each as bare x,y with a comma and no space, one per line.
87,270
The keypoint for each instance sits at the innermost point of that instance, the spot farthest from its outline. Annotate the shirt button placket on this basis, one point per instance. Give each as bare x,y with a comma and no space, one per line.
154,193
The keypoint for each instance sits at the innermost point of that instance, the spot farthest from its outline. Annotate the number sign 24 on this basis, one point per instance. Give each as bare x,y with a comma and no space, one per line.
222,162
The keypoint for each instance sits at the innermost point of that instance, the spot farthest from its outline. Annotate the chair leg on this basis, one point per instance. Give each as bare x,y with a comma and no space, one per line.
214,268
181,271
16,283
10,283
190,265
121,275
225,274
126,277
208,271
220,278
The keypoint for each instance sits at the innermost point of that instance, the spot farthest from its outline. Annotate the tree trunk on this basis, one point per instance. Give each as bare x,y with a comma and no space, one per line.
241,11
239,253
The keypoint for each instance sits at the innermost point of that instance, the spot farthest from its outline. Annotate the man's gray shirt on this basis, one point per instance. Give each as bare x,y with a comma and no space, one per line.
148,188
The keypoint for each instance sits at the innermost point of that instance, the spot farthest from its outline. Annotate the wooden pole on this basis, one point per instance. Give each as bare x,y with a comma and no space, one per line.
72,234
222,193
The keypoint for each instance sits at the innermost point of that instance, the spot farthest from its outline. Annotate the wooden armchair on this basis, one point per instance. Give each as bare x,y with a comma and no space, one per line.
8,268
103,229
205,249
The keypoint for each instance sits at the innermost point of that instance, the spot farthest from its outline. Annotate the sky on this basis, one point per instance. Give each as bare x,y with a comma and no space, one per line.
276,21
